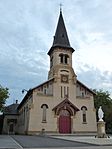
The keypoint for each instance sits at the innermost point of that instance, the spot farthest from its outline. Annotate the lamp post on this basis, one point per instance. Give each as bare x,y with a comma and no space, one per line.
24,90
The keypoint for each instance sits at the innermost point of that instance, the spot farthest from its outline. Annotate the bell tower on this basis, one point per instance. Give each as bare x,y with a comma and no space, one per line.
61,52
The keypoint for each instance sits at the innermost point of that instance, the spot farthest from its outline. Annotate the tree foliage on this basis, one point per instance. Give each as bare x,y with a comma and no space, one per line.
4,94
103,99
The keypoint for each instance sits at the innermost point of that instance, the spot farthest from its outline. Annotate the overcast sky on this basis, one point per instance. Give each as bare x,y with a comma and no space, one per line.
27,28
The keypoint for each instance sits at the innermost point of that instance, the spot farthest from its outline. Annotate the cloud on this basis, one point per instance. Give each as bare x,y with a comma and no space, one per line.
95,78
26,34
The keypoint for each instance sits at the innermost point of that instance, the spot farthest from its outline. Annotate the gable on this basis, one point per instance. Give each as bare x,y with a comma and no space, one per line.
45,88
40,89
65,104
83,91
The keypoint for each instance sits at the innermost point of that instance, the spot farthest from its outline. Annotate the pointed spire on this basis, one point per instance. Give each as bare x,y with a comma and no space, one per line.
61,38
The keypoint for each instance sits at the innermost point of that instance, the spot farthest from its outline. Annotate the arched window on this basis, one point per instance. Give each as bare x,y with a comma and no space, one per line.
61,58
44,107
84,109
64,58
82,94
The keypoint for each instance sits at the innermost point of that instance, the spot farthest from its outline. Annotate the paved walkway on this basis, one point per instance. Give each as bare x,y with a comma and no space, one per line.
8,142
98,147
88,139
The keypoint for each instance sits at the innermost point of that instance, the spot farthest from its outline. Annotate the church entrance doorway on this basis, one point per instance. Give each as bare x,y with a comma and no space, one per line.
64,121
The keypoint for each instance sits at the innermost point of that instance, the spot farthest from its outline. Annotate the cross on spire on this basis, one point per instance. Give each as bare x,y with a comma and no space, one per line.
60,7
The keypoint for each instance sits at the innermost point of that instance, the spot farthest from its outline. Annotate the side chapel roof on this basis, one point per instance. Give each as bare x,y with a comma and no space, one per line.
11,109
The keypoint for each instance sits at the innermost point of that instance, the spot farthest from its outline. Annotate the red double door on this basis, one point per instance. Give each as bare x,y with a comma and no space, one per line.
64,122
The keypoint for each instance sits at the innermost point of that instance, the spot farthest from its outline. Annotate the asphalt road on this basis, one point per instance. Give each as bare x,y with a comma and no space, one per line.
45,142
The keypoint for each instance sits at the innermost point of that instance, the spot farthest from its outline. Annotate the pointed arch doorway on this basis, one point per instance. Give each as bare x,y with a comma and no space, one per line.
65,111
64,121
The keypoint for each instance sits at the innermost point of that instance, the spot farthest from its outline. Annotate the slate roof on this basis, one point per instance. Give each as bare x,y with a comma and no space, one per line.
11,109
61,38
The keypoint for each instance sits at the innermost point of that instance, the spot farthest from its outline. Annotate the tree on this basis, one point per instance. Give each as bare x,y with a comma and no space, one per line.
103,99
4,94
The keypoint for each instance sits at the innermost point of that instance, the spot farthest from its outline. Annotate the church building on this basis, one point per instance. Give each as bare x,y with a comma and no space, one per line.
62,104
